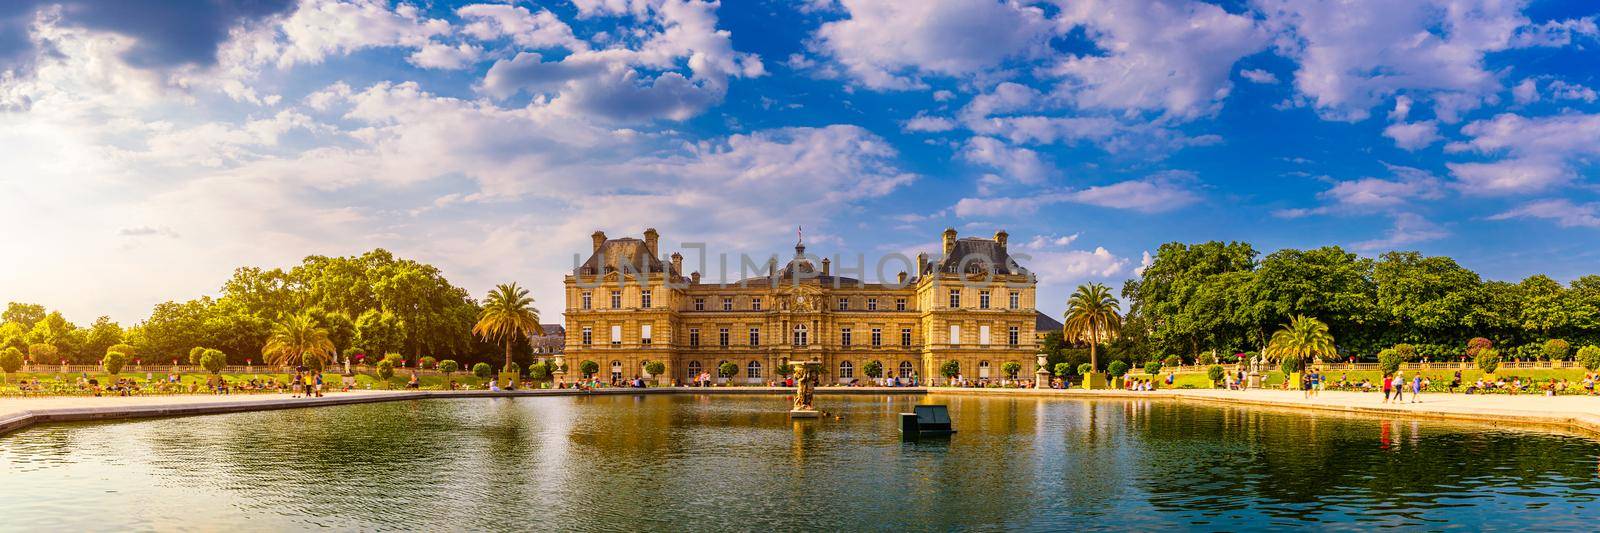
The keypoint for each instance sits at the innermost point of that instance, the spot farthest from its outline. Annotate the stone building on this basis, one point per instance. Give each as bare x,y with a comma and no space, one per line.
972,304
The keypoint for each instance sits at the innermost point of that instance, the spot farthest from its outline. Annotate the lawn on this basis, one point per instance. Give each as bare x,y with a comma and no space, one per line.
65,383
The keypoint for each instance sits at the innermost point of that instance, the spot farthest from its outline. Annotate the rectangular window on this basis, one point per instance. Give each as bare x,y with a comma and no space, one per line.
755,304
755,336
847,370
801,337
616,299
588,336
1016,299
899,304
1013,335
844,337
983,335
983,299
844,304
644,334
955,334
616,335
905,336
694,336
644,299
727,304
722,337
588,300
877,337
872,304
699,304
955,297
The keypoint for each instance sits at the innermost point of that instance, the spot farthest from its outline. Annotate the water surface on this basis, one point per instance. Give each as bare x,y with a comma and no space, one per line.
738,463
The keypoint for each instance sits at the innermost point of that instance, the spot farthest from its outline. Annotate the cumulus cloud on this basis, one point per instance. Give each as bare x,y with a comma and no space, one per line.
1368,195
446,57
538,31
1259,76
928,124
1157,193
892,45
1536,153
1408,229
1563,211
1413,135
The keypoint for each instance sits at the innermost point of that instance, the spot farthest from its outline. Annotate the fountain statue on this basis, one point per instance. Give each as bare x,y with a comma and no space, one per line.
805,381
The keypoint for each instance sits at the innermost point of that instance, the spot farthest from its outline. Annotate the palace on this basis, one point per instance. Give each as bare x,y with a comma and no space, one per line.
972,305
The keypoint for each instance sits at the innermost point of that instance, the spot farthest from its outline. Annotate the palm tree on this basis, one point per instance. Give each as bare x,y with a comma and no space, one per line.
1093,315
508,314
1302,338
295,336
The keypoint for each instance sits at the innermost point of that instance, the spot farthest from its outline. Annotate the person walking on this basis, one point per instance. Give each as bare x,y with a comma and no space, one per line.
1399,386
1416,388
1388,387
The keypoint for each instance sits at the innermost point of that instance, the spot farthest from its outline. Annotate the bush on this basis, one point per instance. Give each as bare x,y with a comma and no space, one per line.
124,348
541,370
394,359
1117,369
1011,368
873,369
114,361
43,353
11,360
588,368
784,370
1406,352
1488,360
1152,368
482,370
1215,373
1389,361
428,362
1589,357
213,360
1085,369
1172,360
1206,359
1290,365
655,368
386,369
195,353
1062,369
950,369
1556,349
449,366
513,368
727,369
1477,344
311,361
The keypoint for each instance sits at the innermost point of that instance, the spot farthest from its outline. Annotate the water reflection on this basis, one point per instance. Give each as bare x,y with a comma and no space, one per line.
739,463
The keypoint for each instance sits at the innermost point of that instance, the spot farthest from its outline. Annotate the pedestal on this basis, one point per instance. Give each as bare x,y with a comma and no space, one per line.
1254,381
804,413
1041,379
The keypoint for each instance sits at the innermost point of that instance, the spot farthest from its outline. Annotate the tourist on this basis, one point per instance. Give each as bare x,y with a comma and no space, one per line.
1399,386
1388,387
1416,388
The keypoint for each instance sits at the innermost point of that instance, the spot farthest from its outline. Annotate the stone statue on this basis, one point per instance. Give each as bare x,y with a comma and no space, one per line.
805,381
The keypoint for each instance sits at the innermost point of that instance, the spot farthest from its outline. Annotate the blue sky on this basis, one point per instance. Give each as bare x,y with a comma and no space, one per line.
151,149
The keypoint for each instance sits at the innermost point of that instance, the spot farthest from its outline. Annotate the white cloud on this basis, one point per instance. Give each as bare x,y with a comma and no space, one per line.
1563,211
1526,92
538,31
928,124
1161,192
1413,136
1556,32
1561,90
891,45
1408,229
321,28
445,57
1020,165
1368,195
1538,152
1257,75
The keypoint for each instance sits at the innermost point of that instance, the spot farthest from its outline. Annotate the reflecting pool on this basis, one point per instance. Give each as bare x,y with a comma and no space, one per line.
698,463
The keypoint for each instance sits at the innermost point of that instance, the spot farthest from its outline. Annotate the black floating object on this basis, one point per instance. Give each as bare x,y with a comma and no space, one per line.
927,421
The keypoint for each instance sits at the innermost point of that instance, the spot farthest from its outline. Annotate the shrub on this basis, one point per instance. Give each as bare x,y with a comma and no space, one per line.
512,368
124,348
873,369
1206,359
950,369
1477,344
213,360
428,362
727,369
655,368
1389,361
538,371
785,370
449,366
11,360
588,368
1085,369
1011,368
1117,369
394,359
195,353
114,361
1152,368
386,370
311,361
1062,369
1172,360
1215,373
1556,349
482,370
1589,357
43,353
1290,365
1406,352
1488,360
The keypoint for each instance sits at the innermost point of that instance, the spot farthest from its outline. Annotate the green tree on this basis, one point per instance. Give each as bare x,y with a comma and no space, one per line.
1011,368
655,368
508,315
312,362
195,353
1152,368
588,368
101,336
482,370
213,361
1172,360
540,371
1556,350
386,371
378,332
114,361
1085,369
1303,338
44,353
873,369
1389,361
1589,357
10,361
1117,369
1092,315
449,366
1063,369
1215,374
727,369
294,337
1488,360
24,315
428,362
950,369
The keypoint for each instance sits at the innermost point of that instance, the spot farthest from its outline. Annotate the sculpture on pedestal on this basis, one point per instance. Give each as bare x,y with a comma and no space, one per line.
805,382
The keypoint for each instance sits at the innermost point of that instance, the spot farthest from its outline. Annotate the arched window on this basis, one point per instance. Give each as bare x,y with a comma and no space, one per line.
800,335
694,369
905,369
847,370
753,370
983,369
616,370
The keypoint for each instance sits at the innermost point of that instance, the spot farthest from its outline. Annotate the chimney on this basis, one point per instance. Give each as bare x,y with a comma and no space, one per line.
694,278
650,239
677,263
922,263
599,239
1000,237
949,241
902,278
825,263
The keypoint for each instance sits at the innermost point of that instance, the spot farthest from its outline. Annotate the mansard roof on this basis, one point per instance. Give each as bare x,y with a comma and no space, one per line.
978,254
1043,323
615,253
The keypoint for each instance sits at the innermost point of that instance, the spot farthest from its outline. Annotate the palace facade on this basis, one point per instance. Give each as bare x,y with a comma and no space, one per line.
973,305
